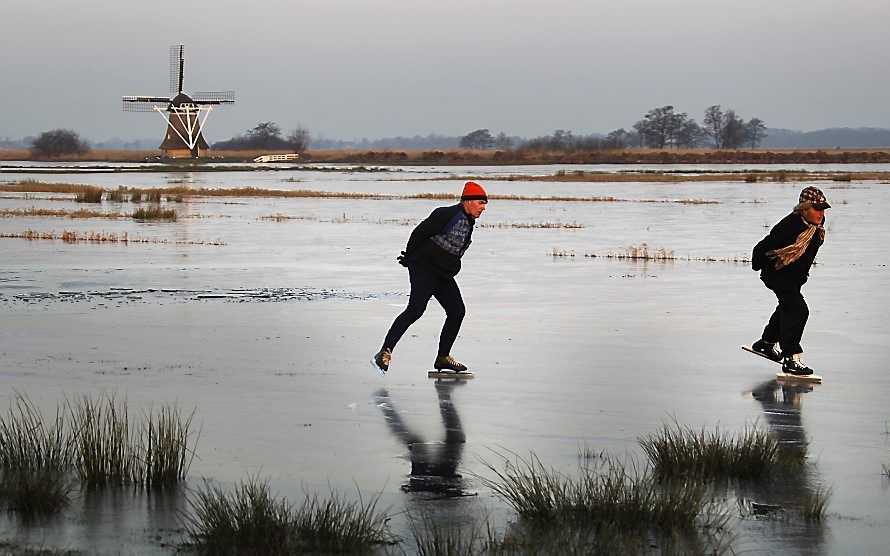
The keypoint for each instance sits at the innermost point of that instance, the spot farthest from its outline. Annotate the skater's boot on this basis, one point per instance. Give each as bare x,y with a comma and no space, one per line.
768,350
794,366
381,360
447,363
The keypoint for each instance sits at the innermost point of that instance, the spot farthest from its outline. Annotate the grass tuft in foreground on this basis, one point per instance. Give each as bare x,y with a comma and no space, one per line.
251,520
35,457
608,504
677,451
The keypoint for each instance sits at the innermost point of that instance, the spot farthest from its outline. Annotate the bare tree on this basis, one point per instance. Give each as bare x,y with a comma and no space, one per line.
299,139
58,142
713,124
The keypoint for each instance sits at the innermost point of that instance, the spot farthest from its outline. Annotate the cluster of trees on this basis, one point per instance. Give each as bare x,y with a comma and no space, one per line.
483,139
58,142
267,136
562,140
664,128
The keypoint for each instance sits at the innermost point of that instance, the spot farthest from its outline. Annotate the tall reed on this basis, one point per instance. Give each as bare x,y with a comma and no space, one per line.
164,447
103,440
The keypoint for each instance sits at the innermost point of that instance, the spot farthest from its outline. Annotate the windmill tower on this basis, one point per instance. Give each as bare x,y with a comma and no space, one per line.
185,115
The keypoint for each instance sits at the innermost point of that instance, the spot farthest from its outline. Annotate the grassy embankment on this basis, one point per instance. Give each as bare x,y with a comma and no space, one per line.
507,156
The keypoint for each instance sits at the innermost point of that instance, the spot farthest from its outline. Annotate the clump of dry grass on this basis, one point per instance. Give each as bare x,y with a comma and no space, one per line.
607,502
100,237
815,503
155,452
80,213
641,253
525,225
117,196
155,212
89,195
677,451
251,520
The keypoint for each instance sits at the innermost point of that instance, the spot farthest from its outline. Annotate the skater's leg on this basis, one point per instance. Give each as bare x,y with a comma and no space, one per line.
448,295
771,332
423,283
793,314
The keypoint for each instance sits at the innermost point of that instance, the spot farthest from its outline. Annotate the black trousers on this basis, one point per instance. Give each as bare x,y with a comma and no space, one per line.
426,284
787,322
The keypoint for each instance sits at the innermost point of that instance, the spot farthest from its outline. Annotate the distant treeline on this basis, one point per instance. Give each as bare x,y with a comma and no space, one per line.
776,138
843,137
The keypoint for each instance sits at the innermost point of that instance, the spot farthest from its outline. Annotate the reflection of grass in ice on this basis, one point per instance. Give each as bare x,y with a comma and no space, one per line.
251,520
677,451
432,536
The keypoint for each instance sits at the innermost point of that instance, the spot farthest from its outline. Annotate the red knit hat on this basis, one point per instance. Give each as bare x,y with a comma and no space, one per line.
473,190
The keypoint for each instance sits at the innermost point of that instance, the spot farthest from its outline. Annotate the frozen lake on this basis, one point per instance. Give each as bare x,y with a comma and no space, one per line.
265,327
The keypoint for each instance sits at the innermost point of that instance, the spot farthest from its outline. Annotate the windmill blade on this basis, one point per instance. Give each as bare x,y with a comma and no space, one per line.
177,67
144,104
220,98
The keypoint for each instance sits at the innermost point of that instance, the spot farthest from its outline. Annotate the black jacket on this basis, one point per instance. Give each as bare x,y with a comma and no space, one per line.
422,249
784,234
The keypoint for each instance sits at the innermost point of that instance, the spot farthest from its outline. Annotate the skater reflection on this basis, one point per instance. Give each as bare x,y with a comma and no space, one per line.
433,464
793,482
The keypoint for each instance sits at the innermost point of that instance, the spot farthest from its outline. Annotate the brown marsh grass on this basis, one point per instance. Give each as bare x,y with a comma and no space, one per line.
99,237
89,195
526,225
80,213
154,212
642,253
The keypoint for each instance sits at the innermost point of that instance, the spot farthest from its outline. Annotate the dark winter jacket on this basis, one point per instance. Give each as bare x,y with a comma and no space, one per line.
784,234
441,240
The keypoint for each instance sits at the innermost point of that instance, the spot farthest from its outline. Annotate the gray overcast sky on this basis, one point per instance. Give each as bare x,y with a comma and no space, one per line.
380,68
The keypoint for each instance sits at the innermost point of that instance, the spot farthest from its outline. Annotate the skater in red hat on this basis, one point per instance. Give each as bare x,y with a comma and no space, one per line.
432,257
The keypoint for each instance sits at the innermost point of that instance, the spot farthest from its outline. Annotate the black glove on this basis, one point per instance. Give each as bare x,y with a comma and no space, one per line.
403,259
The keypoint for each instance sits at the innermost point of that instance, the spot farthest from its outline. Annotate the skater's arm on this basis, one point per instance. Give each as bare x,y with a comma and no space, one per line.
431,226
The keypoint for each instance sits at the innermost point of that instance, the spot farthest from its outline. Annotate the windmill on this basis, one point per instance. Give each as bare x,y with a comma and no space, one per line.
183,113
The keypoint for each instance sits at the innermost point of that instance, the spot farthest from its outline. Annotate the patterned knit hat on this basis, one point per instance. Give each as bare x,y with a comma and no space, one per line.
812,197
473,190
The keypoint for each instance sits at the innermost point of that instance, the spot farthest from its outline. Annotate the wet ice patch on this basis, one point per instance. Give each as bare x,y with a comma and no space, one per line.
123,295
